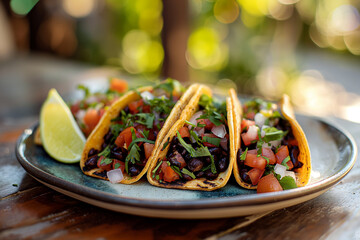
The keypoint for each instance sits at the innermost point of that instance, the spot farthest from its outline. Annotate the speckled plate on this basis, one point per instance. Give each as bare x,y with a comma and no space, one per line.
333,153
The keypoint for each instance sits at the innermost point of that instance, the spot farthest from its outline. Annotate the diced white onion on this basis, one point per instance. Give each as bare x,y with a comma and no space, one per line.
252,132
80,114
219,131
280,169
290,174
194,117
263,131
275,143
259,119
115,175
147,96
200,131
266,145
224,143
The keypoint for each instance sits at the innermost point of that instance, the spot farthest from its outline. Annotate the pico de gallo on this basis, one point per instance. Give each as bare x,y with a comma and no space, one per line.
200,149
88,111
132,134
269,151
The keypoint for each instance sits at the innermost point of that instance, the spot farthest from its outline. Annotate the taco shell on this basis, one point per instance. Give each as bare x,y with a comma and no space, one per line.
303,173
201,183
96,138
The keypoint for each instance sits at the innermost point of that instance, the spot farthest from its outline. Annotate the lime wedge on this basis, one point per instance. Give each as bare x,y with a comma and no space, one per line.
60,134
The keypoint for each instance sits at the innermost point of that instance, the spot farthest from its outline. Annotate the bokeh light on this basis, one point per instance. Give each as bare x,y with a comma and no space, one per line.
78,8
226,11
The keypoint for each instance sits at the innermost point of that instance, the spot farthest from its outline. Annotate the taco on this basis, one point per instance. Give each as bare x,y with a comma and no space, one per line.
273,154
198,152
121,146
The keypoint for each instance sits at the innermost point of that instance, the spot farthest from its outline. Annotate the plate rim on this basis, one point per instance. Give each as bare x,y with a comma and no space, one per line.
211,203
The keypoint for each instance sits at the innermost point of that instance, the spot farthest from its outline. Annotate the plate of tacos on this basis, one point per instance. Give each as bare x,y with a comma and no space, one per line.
174,151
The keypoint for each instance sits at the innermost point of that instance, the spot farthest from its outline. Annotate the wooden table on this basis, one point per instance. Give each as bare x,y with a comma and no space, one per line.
29,210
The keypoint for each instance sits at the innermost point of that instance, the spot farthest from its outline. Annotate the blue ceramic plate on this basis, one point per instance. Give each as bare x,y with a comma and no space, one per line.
333,153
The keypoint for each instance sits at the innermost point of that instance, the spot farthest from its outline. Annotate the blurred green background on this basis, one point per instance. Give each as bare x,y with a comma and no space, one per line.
253,45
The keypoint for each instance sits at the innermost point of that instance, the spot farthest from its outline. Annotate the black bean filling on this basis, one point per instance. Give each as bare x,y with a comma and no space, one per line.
199,166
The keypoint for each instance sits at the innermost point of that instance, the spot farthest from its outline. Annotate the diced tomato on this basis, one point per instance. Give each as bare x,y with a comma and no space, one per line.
255,174
184,132
125,137
135,106
246,124
247,138
252,160
148,147
146,108
269,183
209,135
208,124
75,108
250,115
282,153
118,85
293,142
290,165
169,174
103,165
118,164
91,118
267,152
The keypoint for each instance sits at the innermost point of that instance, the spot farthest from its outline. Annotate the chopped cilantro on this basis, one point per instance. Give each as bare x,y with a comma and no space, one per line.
141,140
132,156
187,172
284,162
287,182
212,140
85,89
243,155
117,165
106,161
106,152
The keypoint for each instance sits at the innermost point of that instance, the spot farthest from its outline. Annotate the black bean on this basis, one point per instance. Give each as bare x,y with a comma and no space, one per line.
108,136
207,160
134,170
210,175
118,155
245,176
174,159
187,177
215,151
126,109
92,162
92,152
195,164
294,154
222,164
104,145
200,174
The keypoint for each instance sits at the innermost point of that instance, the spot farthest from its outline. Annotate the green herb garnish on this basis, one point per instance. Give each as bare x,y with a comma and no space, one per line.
187,172
243,155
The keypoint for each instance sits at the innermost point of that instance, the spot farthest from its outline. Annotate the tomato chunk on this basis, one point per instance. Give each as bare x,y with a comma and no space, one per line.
148,147
118,164
282,153
118,85
135,106
252,160
255,174
246,124
105,166
169,174
267,152
184,132
208,124
125,137
91,118
269,183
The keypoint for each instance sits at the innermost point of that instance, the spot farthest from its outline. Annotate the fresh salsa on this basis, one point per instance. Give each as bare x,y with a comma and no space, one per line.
200,148
269,151
88,111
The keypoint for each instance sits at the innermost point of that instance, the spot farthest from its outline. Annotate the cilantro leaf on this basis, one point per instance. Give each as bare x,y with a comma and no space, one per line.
243,155
132,156
212,140
187,172
287,182
140,140
284,162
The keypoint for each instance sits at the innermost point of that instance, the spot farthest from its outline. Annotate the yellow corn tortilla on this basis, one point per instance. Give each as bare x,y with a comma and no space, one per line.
303,173
95,140
201,183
